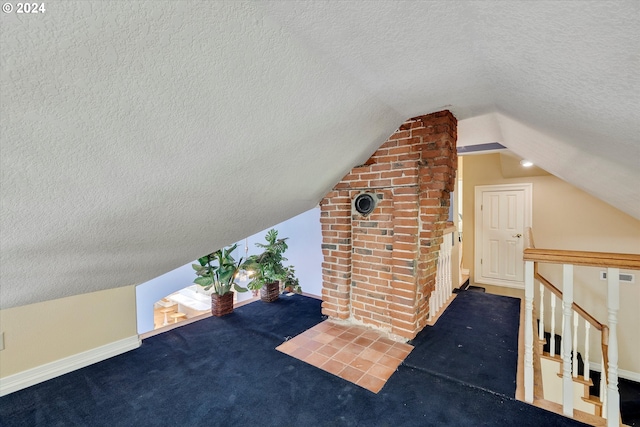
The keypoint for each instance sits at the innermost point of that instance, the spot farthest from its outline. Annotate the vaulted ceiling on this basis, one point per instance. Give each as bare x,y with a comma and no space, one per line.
137,136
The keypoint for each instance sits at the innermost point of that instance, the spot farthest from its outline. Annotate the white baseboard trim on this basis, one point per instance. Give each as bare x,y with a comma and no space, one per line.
627,375
504,284
311,295
45,372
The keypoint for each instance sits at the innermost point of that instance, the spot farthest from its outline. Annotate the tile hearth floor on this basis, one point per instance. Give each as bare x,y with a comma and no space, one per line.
354,353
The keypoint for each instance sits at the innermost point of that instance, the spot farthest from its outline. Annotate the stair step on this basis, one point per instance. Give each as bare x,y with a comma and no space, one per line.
580,379
593,400
581,416
593,416
555,357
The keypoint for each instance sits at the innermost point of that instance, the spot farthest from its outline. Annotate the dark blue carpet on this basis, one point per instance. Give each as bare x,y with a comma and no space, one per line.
226,372
475,341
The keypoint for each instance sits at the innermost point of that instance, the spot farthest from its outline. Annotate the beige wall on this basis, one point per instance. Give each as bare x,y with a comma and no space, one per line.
565,217
45,332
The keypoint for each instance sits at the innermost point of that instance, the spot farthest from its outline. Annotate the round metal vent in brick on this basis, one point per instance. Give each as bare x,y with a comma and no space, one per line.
365,203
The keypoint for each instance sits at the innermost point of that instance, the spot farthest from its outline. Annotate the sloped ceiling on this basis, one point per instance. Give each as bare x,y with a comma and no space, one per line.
137,136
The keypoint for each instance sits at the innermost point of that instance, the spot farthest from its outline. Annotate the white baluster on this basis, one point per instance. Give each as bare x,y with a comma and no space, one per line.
443,251
552,343
562,333
431,306
450,266
541,324
439,281
447,282
613,305
567,301
443,277
587,326
575,345
445,271
528,331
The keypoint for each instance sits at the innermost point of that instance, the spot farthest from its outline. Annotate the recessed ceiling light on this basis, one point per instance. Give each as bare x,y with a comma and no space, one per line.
526,163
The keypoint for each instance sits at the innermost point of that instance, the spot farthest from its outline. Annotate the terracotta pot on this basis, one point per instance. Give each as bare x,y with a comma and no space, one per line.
221,305
270,292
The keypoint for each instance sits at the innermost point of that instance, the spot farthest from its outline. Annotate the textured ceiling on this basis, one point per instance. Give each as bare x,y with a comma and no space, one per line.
136,136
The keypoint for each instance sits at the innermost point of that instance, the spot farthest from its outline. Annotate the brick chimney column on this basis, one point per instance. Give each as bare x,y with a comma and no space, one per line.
379,269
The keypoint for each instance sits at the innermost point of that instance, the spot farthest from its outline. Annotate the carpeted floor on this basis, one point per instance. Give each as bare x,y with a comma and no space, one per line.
226,372
475,341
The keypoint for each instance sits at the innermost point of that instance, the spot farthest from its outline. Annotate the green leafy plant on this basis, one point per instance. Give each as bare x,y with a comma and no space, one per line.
291,281
268,266
218,270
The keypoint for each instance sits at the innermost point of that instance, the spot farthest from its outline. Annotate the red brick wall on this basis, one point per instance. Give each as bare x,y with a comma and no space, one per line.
380,269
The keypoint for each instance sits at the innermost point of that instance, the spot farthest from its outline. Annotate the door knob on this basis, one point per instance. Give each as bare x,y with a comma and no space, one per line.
517,235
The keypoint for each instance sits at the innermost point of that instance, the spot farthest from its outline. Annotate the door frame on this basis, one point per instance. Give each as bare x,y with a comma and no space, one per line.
479,232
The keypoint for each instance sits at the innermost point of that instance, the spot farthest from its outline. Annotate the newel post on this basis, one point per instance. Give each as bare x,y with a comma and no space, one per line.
528,331
567,301
613,305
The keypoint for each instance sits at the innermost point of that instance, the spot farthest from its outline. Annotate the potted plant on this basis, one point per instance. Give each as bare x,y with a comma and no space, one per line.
268,267
217,272
290,283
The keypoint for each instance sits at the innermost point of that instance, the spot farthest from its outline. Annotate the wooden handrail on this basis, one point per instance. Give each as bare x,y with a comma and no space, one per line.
605,353
581,311
601,259
605,335
594,259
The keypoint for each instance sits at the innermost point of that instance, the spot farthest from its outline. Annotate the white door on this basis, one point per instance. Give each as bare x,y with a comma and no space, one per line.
502,213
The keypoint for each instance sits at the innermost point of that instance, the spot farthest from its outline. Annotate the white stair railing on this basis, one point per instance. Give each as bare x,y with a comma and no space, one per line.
579,317
444,284
571,316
